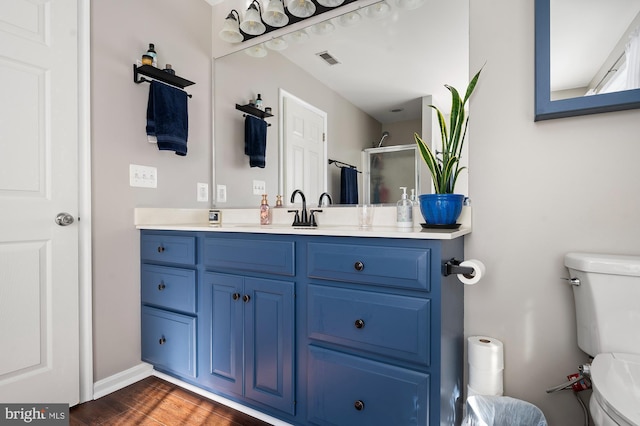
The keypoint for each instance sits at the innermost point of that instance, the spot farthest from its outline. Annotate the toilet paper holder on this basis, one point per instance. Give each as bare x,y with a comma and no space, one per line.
452,266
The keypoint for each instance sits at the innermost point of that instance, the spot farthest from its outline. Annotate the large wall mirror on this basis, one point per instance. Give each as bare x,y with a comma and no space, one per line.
587,57
389,61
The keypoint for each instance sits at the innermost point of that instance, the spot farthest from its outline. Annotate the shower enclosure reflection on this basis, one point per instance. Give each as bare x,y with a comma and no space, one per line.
386,169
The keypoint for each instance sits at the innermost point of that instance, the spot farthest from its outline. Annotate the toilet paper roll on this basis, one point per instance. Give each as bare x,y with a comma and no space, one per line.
478,274
486,382
485,353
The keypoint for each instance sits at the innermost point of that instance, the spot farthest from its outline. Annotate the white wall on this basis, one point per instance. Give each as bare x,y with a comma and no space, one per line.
538,190
120,33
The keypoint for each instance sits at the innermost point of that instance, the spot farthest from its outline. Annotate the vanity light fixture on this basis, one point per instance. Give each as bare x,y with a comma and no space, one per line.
301,8
377,10
274,14
297,37
277,43
252,24
330,3
409,4
257,51
349,19
322,28
230,30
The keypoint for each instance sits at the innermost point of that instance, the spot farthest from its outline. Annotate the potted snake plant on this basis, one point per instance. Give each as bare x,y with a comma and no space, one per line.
442,208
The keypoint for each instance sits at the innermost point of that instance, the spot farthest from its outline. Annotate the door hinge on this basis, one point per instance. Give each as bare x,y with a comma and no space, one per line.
323,137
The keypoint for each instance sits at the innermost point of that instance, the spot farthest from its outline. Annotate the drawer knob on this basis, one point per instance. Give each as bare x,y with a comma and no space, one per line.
162,340
359,323
236,296
359,405
359,266
246,297
160,249
161,286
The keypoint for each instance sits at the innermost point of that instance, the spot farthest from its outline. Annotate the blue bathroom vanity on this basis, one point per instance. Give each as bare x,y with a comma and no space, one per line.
308,327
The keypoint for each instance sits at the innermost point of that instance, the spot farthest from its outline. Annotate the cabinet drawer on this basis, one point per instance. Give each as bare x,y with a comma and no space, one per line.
171,288
387,266
169,341
168,248
273,257
390,325
347,390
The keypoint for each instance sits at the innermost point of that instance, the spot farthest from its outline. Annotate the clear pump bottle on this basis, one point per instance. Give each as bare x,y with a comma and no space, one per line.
404,217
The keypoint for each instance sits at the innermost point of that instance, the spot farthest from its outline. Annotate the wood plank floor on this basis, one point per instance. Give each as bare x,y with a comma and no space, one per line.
153,401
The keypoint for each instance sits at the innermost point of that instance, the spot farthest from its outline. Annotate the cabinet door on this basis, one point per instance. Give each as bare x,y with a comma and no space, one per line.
222,330
269,342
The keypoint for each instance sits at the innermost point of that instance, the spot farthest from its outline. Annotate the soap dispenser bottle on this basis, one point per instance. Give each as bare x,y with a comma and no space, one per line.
265,211
404,216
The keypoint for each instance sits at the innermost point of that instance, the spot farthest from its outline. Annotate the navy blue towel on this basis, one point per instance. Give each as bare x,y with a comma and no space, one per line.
255,140
167,117
349,186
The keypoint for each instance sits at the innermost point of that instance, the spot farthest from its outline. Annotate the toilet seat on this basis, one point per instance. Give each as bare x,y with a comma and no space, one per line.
616,387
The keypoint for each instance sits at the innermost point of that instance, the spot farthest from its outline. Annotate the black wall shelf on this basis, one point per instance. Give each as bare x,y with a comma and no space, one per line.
159,75
253,111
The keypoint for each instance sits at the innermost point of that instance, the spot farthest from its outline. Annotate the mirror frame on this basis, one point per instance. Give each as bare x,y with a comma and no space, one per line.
545,108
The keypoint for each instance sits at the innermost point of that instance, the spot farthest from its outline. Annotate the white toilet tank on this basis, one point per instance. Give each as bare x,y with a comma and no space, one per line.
607,301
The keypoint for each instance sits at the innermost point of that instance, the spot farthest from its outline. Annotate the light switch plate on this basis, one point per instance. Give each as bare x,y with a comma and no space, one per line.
221,193
143,176
203,192
259,187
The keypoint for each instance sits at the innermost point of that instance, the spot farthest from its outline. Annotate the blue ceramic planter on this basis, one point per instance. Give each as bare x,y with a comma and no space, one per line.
441,209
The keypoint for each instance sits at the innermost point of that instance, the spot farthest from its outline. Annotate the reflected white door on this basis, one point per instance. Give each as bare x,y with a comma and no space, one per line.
38,180
305,149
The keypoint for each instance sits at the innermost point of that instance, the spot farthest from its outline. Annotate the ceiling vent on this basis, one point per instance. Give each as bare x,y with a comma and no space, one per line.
326,56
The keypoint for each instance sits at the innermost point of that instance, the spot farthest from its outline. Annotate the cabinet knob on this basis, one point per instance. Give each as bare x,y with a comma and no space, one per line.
236,296
359,323
162,340
161,286
359,266
359,405
246,297
160,249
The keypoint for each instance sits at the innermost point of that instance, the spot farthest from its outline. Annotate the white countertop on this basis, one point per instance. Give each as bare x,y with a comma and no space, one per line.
333,221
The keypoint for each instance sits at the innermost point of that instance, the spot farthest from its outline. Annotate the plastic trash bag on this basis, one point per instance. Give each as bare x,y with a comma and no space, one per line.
487,410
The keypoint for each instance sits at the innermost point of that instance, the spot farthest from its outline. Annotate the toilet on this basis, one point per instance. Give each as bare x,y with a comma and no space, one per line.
606,290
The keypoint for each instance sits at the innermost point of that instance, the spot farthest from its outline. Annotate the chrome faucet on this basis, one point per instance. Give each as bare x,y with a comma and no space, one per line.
303,219
324,195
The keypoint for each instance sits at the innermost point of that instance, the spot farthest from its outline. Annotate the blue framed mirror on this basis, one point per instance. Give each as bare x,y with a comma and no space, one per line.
586,95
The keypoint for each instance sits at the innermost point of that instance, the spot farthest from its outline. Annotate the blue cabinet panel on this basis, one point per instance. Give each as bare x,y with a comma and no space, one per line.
169,341
223,328
171,288
388,266
272,256
348,390
269,343
391,325
168,248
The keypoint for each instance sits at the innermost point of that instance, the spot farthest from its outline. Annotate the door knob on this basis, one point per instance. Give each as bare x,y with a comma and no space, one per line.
64,219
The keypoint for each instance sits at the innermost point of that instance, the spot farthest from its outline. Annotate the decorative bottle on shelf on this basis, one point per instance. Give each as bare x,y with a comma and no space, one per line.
152,52
259,102
278,200
404,216
265,211
413,198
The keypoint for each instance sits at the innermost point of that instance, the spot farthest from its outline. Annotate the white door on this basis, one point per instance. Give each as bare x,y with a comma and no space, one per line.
38,180
304,146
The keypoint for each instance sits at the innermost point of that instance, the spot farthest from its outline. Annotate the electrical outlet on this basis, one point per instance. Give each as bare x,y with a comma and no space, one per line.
259,187
203,192
143,176
221,193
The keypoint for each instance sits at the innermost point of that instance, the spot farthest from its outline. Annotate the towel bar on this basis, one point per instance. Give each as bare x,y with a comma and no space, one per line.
159,75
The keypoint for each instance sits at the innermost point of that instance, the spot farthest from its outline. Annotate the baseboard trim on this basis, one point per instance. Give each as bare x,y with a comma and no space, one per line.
122,379
224,401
